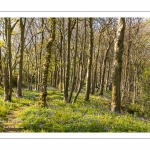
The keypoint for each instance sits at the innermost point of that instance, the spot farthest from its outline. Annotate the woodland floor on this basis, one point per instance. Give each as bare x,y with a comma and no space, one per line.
24,115
11,123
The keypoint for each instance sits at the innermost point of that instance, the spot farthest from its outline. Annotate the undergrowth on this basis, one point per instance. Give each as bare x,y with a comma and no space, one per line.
29,98
93,116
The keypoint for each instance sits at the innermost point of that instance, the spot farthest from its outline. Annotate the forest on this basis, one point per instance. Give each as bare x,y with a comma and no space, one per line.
75,74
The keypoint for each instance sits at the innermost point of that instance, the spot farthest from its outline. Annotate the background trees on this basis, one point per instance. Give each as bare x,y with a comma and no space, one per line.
78,60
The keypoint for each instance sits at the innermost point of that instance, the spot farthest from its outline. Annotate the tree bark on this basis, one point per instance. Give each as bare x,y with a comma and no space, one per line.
1,72
88,82
43,93
104,68
40,56
64,56
82,73
117,62
74,65
95,70
70,28
19,83
68,63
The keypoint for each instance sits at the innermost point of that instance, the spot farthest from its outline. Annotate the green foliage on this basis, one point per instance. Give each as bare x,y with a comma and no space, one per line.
144,101
29,99
93,116
13,32
1,43
146,79
138,110
5,107
133,109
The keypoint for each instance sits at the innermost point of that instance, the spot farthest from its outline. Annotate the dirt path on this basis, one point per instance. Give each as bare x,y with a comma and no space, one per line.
12,123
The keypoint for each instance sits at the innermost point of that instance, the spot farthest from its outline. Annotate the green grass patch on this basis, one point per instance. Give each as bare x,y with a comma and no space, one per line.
29,98
5,107
93,116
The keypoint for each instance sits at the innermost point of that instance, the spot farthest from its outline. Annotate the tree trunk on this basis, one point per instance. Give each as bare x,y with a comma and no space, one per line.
95,70
82,74
40,57
43,93
125,94
19,83
8,65
6,83
116,77
68,63
61,57
74,65
104,68
88,82
1,72
135,83
64,57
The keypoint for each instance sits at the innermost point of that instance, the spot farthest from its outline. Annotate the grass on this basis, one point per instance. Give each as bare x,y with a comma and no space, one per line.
29,98
93,116
6,108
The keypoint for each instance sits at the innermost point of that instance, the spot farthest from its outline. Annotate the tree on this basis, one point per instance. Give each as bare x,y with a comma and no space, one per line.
19,83
104,65
82,72
116,76
74,64
90,55
8,58
68,63
43,92
71,25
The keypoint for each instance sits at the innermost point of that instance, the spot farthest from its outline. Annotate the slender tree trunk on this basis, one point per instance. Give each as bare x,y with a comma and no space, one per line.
55,72
9,58
93,79
61,57
68,64
40,57
28,75
134,84
1,72
100,76
82,74
8,61
74,65
116,77
36,66
43,93
6,83
104,69
125,92
19,83
71,25
95,70
88,83
61,66
108,82
64,56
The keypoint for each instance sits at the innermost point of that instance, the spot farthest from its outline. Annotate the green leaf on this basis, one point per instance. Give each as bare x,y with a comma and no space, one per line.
1,42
